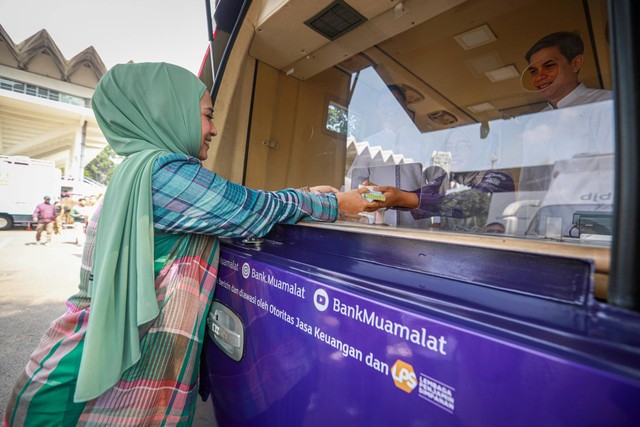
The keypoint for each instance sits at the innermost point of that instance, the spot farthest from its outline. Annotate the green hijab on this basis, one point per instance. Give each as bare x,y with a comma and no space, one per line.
144,111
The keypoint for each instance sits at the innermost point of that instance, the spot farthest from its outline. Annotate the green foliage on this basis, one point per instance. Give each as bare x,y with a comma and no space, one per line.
102,166
337,119
467,210
341,121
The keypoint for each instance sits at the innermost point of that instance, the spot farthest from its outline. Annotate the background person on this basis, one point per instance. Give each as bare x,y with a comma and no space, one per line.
127,350
57,223
79,213
45,215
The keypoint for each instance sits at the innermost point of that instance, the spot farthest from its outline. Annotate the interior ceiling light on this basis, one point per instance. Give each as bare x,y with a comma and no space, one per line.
481,108
502,73
476,37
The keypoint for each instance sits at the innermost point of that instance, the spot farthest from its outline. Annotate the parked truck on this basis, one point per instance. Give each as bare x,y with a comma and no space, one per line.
23,184
519,308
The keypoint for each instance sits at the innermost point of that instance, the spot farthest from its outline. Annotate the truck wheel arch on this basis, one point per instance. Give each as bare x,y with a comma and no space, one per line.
6,221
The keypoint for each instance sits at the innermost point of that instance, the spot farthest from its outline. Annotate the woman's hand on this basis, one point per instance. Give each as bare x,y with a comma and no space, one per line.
318,189
351,202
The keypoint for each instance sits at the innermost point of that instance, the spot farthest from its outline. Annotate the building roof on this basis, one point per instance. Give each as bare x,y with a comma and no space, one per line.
25,57
45,102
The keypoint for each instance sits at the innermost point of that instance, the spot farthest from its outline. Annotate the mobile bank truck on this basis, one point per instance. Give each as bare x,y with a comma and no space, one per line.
23,184
515,307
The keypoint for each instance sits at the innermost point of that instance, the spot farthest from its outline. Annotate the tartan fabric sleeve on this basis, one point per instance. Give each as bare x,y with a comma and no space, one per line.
187,198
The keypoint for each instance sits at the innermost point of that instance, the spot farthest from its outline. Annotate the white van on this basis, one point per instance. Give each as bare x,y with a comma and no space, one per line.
23,184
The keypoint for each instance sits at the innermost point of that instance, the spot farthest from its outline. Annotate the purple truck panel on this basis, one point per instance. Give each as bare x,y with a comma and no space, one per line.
319,351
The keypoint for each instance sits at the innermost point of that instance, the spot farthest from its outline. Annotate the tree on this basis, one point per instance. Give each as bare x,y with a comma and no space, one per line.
102,166
342,121
337,119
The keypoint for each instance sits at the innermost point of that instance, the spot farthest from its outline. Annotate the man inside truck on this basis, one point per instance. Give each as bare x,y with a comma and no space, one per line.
554,63
566,154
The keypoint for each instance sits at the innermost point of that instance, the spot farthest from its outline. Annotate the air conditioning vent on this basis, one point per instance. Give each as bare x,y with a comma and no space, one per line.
335,20
442,117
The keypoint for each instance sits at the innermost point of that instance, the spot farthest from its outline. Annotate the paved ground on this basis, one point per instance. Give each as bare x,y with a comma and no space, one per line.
35,281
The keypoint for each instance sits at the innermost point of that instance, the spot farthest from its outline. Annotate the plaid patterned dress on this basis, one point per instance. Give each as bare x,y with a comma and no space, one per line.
193,206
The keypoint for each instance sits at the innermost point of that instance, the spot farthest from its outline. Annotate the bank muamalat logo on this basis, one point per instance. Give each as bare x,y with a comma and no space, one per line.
246,270
321,299
404,376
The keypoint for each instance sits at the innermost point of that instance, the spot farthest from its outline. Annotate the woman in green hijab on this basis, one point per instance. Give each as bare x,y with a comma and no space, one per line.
126,350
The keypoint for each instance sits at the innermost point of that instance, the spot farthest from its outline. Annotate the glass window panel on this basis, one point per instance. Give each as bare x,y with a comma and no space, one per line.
467,132
337,118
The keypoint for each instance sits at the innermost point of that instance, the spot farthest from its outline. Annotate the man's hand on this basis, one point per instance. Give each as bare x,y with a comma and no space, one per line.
398,198
394,196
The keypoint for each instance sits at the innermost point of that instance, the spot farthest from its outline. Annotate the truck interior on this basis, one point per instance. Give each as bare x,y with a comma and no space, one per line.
316,92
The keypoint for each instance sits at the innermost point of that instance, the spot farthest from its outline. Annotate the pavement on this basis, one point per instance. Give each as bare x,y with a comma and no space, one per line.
35,281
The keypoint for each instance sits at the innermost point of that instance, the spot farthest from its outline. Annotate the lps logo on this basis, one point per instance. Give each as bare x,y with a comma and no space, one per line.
246,270
321,299
404,376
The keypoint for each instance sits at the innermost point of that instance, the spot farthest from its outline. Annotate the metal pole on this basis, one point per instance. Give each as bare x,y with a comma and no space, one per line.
83,141
624,279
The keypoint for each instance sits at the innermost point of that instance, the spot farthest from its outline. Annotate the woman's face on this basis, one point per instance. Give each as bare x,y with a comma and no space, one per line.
208,129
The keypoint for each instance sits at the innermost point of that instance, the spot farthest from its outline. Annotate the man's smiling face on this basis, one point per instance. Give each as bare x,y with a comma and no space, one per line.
552,74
